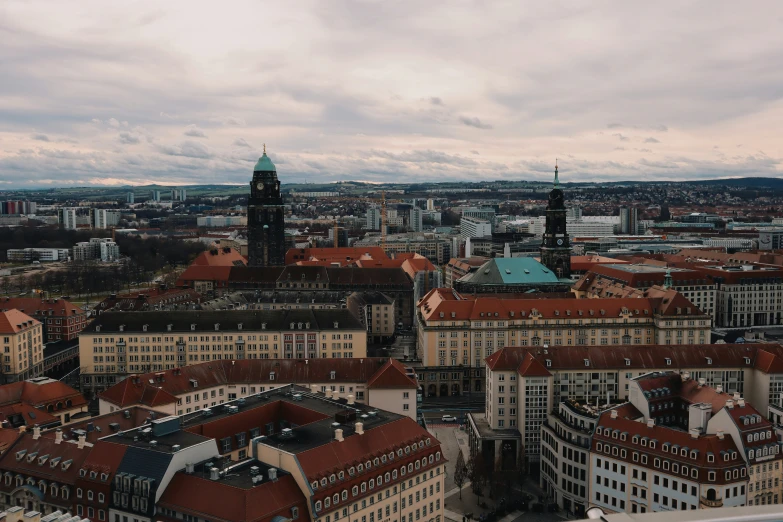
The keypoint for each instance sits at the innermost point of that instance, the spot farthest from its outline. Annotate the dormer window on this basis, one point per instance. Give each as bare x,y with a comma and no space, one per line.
587,362
627,361
668,361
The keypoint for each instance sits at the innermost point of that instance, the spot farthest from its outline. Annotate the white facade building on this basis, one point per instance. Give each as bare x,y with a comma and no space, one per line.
474,227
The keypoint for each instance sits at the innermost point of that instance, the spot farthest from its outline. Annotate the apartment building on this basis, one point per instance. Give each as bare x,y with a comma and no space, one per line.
117,344
67,218
565,454
22,338
378,382
61,319
375,310
602,280
455,329
40,401
103,218
681,445
524,384
458,267
747,295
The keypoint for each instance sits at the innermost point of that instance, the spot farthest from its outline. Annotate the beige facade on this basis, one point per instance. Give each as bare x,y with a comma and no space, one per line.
109,352
22,342
464,334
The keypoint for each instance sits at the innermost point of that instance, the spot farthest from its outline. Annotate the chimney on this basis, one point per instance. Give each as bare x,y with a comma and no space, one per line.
736,396
359,428
272,473
214,474
350,399
22,428
650,422
58,436
719,388
702,382
36,432
336,395
730,404
189,468
32,516
719,433
741,402
314,388
694,433
614,414
338,435
82,441
328,393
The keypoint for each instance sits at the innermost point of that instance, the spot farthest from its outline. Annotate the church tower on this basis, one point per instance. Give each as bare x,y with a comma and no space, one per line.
555,246
265,217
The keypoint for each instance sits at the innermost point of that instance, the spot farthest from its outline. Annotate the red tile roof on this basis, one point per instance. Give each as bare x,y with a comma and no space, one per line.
391,375
455,306
173,383
14,321
530,367
21,414
219,257
653,357
703,444
40,395
223,502
33,305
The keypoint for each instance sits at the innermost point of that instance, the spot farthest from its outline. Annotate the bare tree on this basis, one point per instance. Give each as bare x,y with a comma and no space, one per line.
478,474
460,473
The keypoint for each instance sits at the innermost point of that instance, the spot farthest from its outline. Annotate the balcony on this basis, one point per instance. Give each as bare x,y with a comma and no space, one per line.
711,503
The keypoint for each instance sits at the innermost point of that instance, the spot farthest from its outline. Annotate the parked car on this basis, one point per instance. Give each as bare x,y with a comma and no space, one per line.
448,418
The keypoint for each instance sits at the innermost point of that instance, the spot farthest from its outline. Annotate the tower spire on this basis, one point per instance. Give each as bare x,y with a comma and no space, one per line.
265,153
557,180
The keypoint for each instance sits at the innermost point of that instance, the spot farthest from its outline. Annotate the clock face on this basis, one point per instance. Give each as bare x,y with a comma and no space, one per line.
560,241
260,186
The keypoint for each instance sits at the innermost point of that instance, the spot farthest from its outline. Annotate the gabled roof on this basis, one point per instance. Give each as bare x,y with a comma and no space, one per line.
166,386
652,357
33,306
14,321
219,257
39,395
391,375
530,367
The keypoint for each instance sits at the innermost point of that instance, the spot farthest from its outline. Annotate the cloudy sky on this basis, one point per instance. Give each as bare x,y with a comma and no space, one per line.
183,92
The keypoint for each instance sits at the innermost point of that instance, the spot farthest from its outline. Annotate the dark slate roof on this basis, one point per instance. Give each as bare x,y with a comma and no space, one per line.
227,320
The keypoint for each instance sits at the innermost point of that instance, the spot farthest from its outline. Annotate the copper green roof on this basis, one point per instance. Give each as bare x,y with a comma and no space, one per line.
264,164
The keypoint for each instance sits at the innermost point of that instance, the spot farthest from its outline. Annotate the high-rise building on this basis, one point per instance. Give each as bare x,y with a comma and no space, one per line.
474,227
629,220
178,194
373,217
67,218
130,198
265,216
155,195
416,221
556,247
102,218
430,204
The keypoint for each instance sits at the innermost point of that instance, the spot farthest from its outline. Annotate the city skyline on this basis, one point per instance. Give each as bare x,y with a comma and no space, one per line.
144,93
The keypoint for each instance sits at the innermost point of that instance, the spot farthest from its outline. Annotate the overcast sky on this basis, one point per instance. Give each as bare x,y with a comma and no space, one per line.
183,92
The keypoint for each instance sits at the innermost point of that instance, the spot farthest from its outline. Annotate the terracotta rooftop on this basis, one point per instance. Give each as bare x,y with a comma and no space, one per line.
168,385
14,321
653,357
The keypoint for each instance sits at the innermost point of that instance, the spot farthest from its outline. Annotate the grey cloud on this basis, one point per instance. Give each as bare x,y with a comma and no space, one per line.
240,142
474,122
40,137
436,101
195,132
128,139
651,140
188,149
613,125
621,137
474,152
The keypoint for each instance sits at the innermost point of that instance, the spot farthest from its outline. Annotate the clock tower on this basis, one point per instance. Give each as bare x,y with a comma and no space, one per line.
555,246
265,217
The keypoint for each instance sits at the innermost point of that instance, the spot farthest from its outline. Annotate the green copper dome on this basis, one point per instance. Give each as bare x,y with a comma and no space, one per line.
264,164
